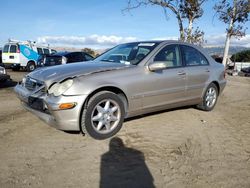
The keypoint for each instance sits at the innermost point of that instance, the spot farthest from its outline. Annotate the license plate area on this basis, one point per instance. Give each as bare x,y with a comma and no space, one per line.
11,57
36,103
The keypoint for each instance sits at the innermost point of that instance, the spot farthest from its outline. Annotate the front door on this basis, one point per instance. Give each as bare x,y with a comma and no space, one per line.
168,85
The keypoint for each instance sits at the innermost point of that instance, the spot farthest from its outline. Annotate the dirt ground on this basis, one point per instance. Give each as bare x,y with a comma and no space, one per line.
177,148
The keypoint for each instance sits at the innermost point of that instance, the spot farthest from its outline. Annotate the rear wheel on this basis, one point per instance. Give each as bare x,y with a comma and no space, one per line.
31,66
103,115
210,98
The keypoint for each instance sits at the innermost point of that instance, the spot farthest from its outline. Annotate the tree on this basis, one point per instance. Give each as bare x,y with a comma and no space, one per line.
192,10
89,51
189,10
235,14
243,56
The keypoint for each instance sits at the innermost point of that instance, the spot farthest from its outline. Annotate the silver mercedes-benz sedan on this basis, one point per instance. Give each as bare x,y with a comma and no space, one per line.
128,80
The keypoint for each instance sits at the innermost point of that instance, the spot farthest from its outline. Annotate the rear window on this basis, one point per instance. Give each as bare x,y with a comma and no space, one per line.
53,60
13,49
6,48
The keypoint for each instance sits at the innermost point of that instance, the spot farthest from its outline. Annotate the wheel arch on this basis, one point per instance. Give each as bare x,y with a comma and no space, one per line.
113,89
217,85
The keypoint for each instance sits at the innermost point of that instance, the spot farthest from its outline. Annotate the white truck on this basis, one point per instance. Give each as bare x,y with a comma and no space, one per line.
23,54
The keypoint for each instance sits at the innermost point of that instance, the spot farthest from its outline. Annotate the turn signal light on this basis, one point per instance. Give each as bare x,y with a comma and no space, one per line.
65,106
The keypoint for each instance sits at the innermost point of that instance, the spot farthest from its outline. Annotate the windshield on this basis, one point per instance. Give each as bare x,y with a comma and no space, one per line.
131,53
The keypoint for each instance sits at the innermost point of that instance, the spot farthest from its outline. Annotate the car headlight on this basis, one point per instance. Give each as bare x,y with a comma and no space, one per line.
59,88
2,71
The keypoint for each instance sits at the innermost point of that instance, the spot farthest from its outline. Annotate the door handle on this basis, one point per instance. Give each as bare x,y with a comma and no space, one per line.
207,70
181,73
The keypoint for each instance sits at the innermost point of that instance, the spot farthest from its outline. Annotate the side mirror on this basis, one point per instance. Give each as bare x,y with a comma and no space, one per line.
155,66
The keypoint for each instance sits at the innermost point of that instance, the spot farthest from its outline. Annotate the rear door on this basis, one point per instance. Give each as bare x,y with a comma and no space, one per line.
197,70
11,54
165,86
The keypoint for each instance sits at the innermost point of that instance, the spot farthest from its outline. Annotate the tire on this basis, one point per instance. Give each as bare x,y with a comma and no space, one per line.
103,115
30,66
209,98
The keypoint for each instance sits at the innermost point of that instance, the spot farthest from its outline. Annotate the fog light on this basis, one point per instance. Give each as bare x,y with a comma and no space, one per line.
65,106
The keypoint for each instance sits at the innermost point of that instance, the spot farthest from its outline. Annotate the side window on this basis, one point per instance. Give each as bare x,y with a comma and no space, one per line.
193,57
46,51
170,55
39,51
6,49
13,49
88,57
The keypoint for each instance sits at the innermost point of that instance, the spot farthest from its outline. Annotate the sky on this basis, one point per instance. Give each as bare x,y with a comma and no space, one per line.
99,23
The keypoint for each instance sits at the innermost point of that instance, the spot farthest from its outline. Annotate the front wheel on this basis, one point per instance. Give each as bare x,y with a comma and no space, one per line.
209,98
103,115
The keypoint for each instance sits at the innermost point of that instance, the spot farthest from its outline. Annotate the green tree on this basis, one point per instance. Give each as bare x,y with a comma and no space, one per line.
243,56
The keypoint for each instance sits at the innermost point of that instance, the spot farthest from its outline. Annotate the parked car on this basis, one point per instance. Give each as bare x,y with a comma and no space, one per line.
23,54
96,96
245,72
3,75
60,58
0,57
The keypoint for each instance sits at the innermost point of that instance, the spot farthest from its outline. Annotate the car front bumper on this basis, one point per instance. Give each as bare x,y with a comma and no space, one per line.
47,108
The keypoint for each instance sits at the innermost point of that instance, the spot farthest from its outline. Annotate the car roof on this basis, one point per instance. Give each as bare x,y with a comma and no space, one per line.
63,53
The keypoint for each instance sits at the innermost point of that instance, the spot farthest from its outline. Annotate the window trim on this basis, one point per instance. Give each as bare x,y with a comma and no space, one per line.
183,60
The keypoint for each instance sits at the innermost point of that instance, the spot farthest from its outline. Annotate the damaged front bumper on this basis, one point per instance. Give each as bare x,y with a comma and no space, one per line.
46,107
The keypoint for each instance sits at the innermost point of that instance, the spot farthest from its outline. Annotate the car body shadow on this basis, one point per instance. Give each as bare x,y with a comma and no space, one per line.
158,112
142,116
124,167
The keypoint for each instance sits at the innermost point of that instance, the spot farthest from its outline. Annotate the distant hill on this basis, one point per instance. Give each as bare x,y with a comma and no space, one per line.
213,50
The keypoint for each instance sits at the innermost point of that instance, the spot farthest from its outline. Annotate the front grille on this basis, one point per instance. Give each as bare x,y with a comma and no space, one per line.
32,84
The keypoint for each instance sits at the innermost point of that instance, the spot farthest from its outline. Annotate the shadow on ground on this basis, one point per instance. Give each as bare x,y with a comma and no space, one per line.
7,84
124,167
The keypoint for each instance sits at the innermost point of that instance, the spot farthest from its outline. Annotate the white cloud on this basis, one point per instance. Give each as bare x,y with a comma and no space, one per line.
92,40
219,40
104,41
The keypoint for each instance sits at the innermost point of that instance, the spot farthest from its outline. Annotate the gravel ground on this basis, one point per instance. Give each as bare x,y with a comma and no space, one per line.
183,147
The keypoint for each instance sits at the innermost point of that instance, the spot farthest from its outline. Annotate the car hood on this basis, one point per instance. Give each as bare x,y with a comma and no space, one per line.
58,73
